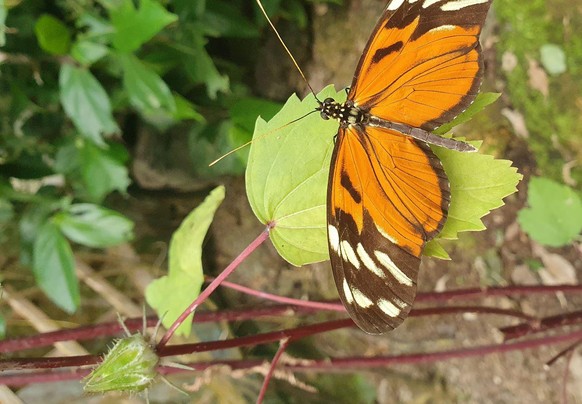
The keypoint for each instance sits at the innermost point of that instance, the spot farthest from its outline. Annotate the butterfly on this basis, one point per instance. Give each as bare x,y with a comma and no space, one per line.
388,194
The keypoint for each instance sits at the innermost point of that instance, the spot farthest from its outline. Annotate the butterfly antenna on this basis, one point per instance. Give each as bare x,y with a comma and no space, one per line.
259,138
286,48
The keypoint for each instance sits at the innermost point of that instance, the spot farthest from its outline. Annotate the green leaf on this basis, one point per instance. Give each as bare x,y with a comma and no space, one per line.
101,171
221,19
553,59
554,216
94,226
286,178
146,90
479,183
172,294
200,67
207,142
134,27
286,181
53,36
86,103
3,15
33,218
88,52
243,114
185,110
482,100
2,320
94,172
54,267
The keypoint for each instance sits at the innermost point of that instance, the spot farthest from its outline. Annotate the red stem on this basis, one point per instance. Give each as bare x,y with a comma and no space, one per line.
286,300
324,365
210,288
283,344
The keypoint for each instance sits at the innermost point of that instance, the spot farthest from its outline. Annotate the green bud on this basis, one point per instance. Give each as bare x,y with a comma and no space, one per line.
129,366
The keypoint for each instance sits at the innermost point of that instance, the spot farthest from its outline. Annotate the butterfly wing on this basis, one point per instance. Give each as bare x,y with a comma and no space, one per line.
422,65
388,195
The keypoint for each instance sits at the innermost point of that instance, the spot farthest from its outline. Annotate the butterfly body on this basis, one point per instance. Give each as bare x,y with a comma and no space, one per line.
388,194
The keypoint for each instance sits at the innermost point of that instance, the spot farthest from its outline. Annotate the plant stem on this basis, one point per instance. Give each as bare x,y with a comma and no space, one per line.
214,284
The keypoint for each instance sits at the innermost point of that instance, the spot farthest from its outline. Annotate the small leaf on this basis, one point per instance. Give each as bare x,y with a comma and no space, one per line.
86,103
33,218
554,216
186,110
130,365
134,27
170,295
101,171
94,226
53,36
146,89
54,267
201,69
553,59
88,52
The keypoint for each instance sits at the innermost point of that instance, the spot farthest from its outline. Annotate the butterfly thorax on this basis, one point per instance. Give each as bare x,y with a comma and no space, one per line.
346,113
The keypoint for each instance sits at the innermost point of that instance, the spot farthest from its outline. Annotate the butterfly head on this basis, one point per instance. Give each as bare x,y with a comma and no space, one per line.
346,113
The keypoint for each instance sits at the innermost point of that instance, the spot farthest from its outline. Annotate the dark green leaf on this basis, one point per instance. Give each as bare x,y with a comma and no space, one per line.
482,100
554,216
201,68
29,226
53,36
146,90
222,19
86,103
54,267
94,226
207,143
134,27
186,110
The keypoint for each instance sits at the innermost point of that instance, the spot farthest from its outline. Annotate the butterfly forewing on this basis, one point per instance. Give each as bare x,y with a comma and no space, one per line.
422,65
388,194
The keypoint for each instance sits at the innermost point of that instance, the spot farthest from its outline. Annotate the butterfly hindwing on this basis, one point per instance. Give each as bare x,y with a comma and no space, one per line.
388,195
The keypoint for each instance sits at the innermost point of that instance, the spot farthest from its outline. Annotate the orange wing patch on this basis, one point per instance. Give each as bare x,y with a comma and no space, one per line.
418,72
388,196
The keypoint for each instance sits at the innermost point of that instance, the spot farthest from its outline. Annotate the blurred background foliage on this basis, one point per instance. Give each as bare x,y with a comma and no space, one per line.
78,78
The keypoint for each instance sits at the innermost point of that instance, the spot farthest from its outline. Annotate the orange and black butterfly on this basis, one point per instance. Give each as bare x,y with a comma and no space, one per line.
388,194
